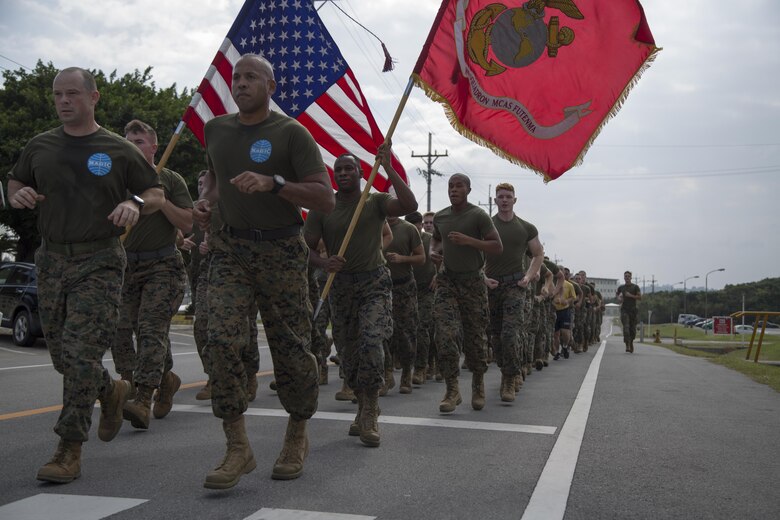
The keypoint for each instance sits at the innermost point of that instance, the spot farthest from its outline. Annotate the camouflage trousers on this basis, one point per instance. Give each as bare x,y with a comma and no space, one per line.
506,304
530,323
271,274
549,312
319,335
361,305
426,348
403,342
79,306
628,319
541,331
461,300
587,325
578,330
250,355
151,296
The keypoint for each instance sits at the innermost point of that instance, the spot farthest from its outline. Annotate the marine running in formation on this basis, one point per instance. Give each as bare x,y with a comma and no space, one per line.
428,295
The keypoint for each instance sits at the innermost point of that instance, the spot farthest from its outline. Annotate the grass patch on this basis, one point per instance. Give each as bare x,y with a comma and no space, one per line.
731,355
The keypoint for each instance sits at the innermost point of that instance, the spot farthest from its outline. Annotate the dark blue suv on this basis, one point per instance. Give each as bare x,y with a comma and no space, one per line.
19,302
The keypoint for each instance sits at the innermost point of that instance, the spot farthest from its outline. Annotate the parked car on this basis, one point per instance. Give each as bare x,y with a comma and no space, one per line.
743,329
683,319
689,322
705,324
19,302
769,325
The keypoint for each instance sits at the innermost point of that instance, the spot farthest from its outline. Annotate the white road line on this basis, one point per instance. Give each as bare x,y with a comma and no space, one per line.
107,360
548,501
291,514
389,419
25,366
66,507
18,351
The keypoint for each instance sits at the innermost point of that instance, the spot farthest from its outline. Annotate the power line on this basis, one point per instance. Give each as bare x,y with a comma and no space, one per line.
16,62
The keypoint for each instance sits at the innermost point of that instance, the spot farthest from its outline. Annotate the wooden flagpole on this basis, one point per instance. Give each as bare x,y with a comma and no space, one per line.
169,149
160,165
364,195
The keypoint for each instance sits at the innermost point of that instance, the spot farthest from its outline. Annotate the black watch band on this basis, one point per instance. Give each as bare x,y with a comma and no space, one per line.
138,201
279,183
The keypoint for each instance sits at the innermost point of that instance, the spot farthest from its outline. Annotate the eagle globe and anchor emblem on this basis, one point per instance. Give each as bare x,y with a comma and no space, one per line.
518,36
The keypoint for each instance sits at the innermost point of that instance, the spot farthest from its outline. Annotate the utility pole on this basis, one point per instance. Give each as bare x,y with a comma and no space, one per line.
431,157
490,201
652,283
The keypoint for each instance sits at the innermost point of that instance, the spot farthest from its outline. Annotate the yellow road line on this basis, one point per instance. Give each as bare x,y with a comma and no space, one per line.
28,413
57,408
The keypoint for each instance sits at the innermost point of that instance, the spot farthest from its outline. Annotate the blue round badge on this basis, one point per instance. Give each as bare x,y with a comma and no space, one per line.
260,151
99,164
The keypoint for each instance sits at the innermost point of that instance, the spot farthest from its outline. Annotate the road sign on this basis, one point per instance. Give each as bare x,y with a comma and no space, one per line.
722,325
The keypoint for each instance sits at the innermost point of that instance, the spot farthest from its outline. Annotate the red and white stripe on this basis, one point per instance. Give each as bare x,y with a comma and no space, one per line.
340,120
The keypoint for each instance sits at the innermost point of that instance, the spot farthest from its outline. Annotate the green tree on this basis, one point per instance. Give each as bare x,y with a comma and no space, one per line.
763,295
27,109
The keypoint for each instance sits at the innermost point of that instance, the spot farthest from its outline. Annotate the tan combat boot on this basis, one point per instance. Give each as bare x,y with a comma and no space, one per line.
406,381
477,390
354,428
205,393
128,376
419,376
452,397
251,387
389,382
507,391
163,397
369,419
65,465
111,406
289,465
518,383
346,393
239,459
138,411
323,375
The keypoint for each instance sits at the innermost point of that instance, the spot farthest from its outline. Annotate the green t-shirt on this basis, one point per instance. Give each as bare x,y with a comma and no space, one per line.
471,221
364,252
277,146
515,236
83,179
629,304
405,239
155,231
542,277
577,288
423,274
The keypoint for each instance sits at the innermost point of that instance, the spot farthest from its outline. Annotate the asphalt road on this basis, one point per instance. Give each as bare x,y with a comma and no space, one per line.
603,434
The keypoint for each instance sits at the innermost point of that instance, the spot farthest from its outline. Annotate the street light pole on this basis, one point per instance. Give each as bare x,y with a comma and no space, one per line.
706,287
685,293
671,312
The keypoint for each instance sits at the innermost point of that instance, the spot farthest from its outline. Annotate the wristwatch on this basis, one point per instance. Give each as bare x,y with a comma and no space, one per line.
279,183
138,200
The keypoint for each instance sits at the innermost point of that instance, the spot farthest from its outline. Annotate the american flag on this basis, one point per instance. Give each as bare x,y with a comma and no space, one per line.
314,83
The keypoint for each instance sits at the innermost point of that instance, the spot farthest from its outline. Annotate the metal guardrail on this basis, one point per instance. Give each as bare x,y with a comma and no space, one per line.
763,317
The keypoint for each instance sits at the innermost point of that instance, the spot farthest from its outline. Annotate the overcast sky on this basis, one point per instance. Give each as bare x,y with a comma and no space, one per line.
685,180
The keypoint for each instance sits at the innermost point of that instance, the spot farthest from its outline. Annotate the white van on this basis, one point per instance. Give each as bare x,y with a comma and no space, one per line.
682,318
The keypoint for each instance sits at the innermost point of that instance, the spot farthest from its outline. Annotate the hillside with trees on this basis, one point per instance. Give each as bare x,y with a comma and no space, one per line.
763,295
